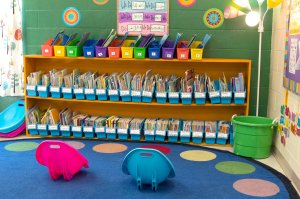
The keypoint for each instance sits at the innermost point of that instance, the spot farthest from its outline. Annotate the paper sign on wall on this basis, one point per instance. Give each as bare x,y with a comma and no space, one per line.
143,16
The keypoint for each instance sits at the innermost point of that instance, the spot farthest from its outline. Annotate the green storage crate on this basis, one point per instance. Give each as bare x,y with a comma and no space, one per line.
73,50
139,52
253,136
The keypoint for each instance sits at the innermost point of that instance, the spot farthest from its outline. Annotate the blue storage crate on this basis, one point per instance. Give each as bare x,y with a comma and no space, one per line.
89,48
67,92
43,91
173,136
185,136
135,134
43,129
31,90
226,97
161,97
77,131
147,96
239,97
186,98
55,91
149,135
111,133
123,134
88,131
221,136
160,135
125,95
154,52
136,96
200,97
197,137
210,138
65,130
79,93
113,95
173,97
54,130
32,129
215,96
90,94
101,94
100,132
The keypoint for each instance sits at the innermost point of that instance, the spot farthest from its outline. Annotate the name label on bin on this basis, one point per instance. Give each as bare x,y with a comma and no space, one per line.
31,126
122,131
223,135
76,128
89,91
135,93
153,53
88,129
149,132
210,135
186,95
41,127
240,94
174,95
161,94
42,88
71,51
225,94
197,134
135,132
67,90
30,87
124,92
126,53
89,53
100,91
78,90
173,133
147,93
54,89
185,134
214,94
65,128
110,130
53,127
169,55
99,130
200,95
113,92
46,50
162,133
100,54
182,55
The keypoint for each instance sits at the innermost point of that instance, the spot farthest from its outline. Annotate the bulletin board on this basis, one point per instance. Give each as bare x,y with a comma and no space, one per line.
143,16
292,56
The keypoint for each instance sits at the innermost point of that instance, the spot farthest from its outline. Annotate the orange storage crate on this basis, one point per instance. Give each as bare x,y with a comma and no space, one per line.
182,53
114,51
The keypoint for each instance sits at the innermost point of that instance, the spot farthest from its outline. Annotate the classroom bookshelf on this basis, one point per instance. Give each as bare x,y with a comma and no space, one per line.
213,67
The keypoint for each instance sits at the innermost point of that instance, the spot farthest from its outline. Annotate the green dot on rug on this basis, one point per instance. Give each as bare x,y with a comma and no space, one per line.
21,146
234,167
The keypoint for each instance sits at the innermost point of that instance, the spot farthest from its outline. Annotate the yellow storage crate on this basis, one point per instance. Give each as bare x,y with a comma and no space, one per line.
127,51
196,53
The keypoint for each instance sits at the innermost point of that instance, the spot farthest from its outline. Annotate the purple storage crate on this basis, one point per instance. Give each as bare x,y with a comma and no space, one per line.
168,50
101,51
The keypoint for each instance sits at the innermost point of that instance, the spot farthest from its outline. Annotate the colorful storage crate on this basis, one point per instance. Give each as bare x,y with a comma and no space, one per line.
135,134
127,49
31,90
88,132
149,135
186,97
200,97
125,95
173,136
114,51
101,52
65,130
182,50
55,91
173,97
32,129
73,50
43,91
196,53
160,135
123,134
136,96
100,132
89,48
147,96
113,95
77,131
111,133
161,97
67,92
79,93
54,130
168,50
90,94
43,129
185,136
101,94
239,97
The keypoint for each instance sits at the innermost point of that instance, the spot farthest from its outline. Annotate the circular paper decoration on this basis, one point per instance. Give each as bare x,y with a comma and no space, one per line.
71,16
186,3
100,2
213,18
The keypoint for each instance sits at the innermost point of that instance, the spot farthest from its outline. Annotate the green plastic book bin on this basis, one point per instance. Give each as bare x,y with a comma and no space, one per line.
73,50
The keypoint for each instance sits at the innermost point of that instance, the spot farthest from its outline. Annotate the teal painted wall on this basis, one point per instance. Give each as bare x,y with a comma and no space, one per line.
42,20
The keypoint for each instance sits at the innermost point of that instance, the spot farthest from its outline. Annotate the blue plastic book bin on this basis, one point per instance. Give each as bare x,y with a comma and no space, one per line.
90,94
135,134
136,96
239,97
43,91
100,132
125,95
215,96
67,92
148,166
160,135
173,136
185,136
55,91
111,133
101,94
88,131
210,137
222,139
149,135
186,98
89,48
31,90
43,129
173,97
54,130
123,134
200,97
77,131
79,93
147,96
32,129
113,95
65,130
226,96
197,137
154,50
161,97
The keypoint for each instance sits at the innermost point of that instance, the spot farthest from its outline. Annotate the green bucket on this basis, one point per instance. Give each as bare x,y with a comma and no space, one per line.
253,136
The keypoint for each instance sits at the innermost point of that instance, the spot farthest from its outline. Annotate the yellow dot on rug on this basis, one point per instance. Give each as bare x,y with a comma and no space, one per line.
198,155
110,148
